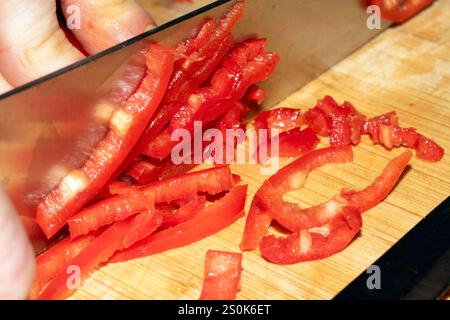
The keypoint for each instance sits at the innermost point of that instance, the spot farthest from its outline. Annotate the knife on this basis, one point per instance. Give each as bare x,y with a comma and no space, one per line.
49,126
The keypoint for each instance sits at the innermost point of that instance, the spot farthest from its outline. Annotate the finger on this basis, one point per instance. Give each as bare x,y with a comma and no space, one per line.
16,254
4,85
31,42
105,23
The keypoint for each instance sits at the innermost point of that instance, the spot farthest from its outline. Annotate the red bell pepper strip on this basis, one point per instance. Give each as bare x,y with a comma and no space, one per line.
119,236
294,218
129,202
184,213
290,177
394,136
54,259
126,126
245,65
231,120
145,171
429,150
385,130
381,187
399,11
213,218
119,207
204,33
222,275
315,243
255,95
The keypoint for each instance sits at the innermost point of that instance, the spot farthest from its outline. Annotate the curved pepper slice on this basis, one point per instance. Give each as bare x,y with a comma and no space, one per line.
148,170
341,122
294,218
399,11
290,177
314,243
126,126
200,56
213,218
54,259
120,207
385,130
119,236
429,150
222,275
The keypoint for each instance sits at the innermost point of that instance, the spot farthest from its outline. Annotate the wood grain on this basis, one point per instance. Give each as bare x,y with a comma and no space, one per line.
406,69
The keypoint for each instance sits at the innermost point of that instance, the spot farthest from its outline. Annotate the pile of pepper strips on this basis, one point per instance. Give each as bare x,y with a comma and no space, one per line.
160,207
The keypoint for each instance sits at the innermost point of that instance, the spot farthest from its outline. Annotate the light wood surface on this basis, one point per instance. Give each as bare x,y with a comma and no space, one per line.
406,69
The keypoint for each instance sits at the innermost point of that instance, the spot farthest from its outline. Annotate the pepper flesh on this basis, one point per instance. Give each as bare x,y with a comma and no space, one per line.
186,186
399,11
126,126
54,259
292,176
119,236
211,219
294,218
314,243
222,275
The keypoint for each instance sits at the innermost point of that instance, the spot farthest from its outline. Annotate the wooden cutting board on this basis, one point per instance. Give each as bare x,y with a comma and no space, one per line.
406,69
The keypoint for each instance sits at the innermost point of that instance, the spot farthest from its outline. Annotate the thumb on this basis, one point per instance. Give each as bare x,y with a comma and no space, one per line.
16,253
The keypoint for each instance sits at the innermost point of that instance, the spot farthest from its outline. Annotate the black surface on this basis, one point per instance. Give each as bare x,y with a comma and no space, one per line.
416,267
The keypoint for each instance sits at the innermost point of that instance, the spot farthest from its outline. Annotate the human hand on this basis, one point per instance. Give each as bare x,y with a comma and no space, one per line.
33,44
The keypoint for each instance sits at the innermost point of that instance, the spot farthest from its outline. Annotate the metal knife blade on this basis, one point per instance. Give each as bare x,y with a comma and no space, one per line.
49,126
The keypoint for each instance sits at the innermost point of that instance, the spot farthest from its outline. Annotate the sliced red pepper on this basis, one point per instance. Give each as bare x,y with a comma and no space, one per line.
222,275
341,122
200,57
213,218
290,177
119,236
231,120
184,213
126,126
246,65
393,136
294,218
128,202
429,150
54,259
296,142
148,170
119,207
315,243
202,36
384,130
317,121
399,11
282,119
381,187
372,126
255,95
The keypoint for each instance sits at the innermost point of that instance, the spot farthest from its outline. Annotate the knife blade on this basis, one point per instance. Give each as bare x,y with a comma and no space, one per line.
49,126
